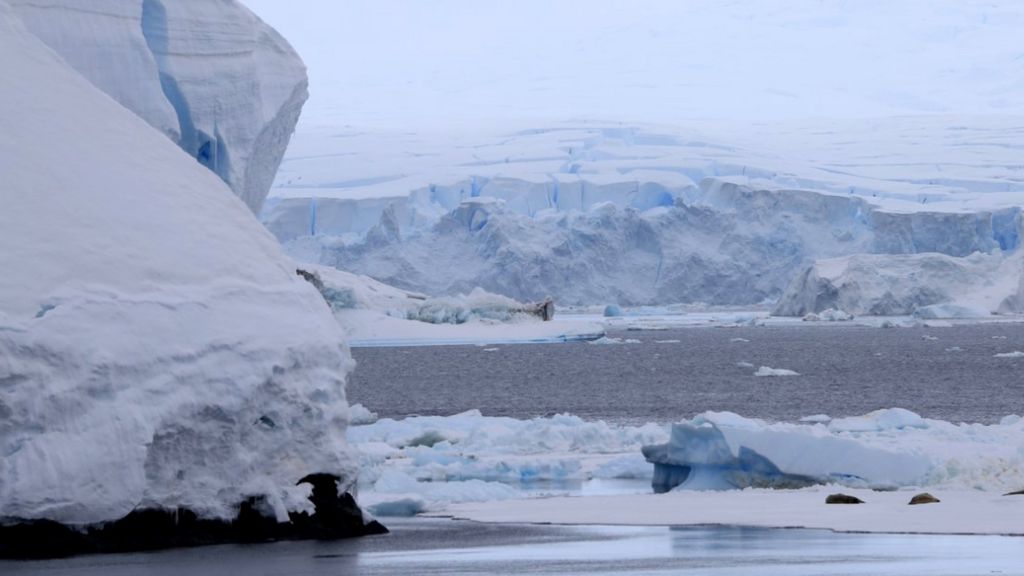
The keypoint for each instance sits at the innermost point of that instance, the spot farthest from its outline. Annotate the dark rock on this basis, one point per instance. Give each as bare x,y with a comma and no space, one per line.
924,498
335,516
842,499
1017,493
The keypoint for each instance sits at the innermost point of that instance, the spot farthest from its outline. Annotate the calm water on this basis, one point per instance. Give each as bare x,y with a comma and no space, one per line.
845,370
448,547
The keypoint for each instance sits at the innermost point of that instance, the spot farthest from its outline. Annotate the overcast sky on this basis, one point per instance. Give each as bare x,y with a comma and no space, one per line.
403,61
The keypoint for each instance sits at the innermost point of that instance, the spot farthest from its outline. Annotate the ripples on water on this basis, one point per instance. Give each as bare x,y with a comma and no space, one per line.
945,373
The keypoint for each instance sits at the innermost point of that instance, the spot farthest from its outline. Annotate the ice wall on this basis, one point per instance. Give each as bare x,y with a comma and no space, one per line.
630,242
157,350
213,77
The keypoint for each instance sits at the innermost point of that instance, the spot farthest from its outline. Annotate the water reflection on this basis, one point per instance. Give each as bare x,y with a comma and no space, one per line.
432,546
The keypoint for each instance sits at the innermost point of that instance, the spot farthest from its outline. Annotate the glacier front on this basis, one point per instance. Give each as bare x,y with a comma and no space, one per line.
210,75
157,350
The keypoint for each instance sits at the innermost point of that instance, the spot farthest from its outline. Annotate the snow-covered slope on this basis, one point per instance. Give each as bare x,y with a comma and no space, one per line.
210,75
156,348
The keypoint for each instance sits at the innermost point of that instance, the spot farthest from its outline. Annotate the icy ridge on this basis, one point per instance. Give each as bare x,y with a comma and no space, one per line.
210,75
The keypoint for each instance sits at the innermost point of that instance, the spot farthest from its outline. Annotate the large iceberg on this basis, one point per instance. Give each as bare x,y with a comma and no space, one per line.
157,350
213,77
926,285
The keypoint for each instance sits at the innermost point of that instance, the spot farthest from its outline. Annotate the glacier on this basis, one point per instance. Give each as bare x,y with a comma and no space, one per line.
157,349
896,134
720,242
210,75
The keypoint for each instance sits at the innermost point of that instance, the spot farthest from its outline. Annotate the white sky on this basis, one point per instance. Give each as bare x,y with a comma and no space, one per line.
400,62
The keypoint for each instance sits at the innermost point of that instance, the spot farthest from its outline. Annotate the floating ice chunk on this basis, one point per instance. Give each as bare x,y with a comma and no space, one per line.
359,415
629,466
817,419
491,349
668,341
887,419
744,365
612,311
929,337
393,505
954,349
936,311
725,451
768,371
828,315
1014,354
399,483
999,337
612,340
737,340
1009,420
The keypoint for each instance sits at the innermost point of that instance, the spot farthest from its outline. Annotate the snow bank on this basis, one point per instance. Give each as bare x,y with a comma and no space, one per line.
210,75
929,286
157,350
959,512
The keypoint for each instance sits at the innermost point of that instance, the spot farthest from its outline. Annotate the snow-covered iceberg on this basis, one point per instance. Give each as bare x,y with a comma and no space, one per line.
926,285
721,451
157,350
210,75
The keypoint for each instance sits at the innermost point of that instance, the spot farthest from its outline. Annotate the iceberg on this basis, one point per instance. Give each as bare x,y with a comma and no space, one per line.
210,75
718,451
158,355
927,286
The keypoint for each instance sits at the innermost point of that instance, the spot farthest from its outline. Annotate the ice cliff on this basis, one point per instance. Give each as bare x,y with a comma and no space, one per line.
157,350
210,75
719,242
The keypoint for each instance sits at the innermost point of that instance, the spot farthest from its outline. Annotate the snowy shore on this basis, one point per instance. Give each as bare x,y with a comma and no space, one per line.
959,512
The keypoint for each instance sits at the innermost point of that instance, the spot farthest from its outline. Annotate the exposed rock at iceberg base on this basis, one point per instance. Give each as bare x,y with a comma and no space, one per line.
210,75
335,515
158,354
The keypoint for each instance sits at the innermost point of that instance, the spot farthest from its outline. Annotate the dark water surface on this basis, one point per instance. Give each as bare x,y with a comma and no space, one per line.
427,546
844,371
